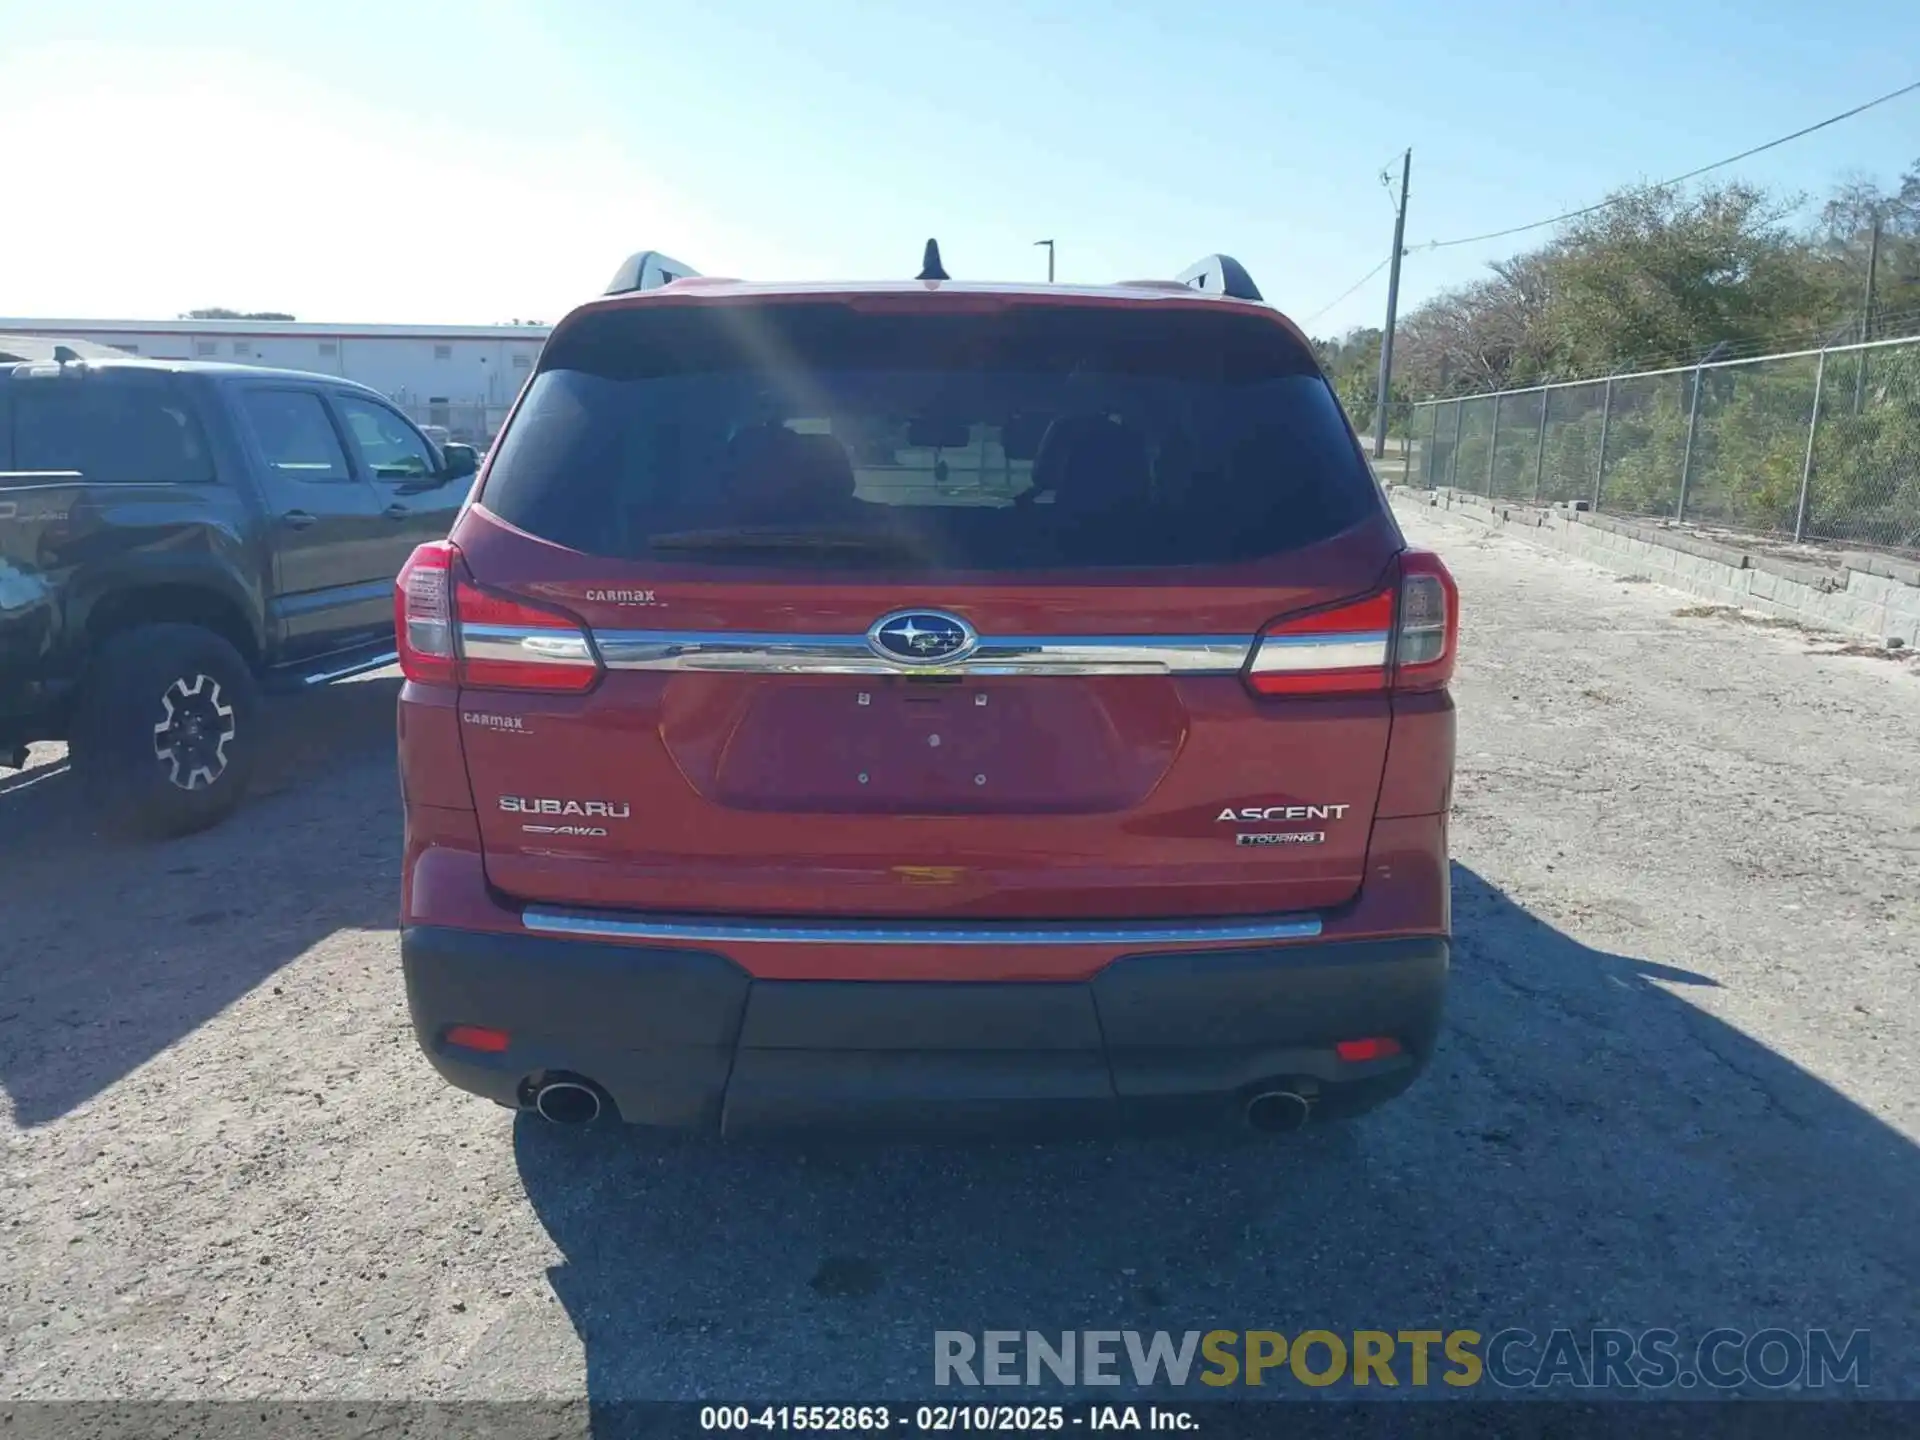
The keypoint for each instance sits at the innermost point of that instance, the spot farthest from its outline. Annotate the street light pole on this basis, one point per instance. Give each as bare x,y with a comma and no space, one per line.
1393,307
1049,245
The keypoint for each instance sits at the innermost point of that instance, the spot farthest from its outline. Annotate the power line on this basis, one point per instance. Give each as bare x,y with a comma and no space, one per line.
1346,292
1676,180
1786,339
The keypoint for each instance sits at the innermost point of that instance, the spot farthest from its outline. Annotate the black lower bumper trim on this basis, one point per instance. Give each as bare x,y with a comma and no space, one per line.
687,1038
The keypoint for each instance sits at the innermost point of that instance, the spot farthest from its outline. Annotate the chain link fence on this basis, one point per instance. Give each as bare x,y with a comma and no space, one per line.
1821,445
1400,456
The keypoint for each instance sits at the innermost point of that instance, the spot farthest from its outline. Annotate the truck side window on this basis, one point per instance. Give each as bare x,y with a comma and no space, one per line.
111,432
295,435
390,448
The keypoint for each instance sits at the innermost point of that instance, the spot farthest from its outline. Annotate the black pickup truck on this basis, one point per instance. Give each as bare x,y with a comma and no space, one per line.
176,538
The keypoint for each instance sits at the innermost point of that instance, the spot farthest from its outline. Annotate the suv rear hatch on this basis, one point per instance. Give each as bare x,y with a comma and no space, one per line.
918,604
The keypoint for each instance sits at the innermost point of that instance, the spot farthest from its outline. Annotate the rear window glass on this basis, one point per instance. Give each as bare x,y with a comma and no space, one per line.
822,436
113,430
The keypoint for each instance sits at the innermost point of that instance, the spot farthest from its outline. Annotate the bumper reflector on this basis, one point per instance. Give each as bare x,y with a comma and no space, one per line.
1378,1047
478,1037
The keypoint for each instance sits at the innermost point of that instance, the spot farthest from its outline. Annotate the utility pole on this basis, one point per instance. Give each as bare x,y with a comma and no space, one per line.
1866,315
1049,245
1393,307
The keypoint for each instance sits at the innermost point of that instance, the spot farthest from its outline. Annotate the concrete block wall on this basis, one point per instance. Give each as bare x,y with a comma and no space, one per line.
1875,597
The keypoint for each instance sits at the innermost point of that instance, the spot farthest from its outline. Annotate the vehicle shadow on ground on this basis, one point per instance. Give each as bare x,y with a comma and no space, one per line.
1589,1148
116,949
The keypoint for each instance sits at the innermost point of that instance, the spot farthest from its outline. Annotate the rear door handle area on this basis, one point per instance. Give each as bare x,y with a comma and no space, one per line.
297,519
396,511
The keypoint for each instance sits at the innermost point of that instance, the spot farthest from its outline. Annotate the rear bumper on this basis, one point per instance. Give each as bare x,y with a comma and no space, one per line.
684,1037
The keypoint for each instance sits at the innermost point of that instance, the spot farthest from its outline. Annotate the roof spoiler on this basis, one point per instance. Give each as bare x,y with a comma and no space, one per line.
648,270
1220,275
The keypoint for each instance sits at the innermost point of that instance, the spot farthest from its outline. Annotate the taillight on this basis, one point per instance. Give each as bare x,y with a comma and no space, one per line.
1429,627
1400,638
423,614
450,631
1342,651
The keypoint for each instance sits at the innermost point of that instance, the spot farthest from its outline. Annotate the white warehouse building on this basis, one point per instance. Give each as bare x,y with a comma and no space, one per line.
459,377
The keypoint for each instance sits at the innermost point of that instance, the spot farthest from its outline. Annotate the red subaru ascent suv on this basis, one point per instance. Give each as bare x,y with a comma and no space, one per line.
922,703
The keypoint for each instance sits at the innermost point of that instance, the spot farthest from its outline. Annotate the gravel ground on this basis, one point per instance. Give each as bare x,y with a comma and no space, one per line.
1677,1087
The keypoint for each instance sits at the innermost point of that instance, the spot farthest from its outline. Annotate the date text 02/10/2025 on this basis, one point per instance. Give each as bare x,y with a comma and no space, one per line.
945,1419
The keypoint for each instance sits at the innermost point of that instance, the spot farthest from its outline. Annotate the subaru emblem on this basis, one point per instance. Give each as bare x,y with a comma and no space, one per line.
922,637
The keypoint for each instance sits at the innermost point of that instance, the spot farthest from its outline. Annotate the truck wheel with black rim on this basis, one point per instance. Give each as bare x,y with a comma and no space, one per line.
167,730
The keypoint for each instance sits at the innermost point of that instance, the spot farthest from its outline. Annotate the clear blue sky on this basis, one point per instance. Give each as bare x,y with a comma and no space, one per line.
484,161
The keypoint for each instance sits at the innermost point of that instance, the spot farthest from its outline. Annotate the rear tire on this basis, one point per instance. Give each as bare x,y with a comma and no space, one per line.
167,731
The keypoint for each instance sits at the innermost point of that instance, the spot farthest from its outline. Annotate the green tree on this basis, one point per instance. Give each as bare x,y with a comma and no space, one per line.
1847,222
1658,281
1352,366
1661,277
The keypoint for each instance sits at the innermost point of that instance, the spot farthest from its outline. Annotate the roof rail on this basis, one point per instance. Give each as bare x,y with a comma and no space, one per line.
1220,275
648,270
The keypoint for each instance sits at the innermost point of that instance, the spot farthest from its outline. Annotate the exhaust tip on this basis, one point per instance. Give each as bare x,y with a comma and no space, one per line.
1277,1112
567,1102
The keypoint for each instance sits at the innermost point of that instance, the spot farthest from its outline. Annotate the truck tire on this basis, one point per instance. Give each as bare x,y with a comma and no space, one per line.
167,730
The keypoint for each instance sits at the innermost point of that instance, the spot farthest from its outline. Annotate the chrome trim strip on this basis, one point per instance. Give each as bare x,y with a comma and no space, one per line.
789,654
701,930
1351,651
1339,637
524,644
